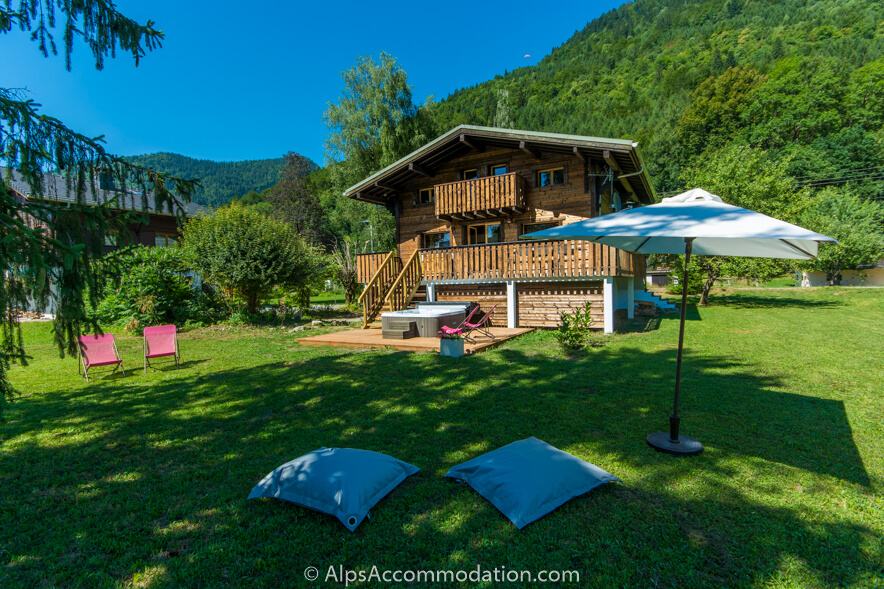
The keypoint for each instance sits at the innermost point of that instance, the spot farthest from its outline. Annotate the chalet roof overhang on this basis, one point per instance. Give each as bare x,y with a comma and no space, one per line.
56,190
621,155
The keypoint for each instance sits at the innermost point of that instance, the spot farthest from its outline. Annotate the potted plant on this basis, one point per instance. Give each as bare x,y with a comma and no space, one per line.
451,343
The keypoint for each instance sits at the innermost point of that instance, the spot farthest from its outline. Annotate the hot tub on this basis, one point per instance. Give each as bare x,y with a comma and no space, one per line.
428,320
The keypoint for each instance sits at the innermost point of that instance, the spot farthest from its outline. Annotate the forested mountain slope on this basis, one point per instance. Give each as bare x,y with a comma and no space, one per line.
791,77
221,180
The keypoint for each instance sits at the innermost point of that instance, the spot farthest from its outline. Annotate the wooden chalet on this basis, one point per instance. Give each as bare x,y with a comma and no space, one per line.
161,228
461,202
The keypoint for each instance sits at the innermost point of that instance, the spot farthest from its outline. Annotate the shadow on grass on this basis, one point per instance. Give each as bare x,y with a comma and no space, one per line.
767,301
136,478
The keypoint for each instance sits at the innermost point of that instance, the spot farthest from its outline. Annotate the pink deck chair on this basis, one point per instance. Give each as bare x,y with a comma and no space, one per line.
98,350
459,328
480,326
160,341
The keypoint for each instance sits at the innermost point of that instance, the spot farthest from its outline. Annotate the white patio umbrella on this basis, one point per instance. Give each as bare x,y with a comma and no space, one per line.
693,222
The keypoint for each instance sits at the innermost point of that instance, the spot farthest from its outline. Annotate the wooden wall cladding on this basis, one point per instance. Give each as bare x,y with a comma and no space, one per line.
562,203
487,295
541,304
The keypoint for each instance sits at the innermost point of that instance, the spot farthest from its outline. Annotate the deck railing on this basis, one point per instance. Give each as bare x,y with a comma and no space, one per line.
527,260
372,298
504,193
406,284
368,264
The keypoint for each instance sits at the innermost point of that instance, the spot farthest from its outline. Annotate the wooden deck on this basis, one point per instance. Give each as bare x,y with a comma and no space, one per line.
371,338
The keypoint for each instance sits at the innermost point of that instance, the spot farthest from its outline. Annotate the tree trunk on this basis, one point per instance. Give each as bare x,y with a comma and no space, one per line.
251,303
711,276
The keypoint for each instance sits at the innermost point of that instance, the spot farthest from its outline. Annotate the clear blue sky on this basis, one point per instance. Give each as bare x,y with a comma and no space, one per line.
235,81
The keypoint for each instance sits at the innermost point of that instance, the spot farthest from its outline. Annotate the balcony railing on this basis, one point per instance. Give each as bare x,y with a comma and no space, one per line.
514,261
481,197
528,260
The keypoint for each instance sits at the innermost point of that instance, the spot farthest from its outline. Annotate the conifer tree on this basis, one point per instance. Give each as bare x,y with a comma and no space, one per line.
49,248
296,202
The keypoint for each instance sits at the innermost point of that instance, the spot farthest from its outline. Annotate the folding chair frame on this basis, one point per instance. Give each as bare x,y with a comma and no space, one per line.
446,329
81,362
479,327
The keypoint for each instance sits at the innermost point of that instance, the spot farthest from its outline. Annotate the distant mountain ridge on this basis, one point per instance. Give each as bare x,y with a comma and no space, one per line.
221,180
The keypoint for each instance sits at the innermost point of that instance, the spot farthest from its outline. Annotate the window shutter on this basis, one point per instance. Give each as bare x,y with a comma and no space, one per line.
460,175
415,197
565,174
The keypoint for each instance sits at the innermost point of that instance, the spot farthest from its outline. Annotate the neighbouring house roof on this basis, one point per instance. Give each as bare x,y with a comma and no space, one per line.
55,188
622,155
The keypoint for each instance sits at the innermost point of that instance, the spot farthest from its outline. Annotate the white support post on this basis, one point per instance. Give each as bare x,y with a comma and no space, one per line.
609,304
630,297
431,293
512,305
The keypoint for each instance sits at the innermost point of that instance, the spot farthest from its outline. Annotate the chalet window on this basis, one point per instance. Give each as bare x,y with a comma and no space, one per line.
165,239
435,240
485,233
106,181
532,227
551,177
471,174
426,195
498,170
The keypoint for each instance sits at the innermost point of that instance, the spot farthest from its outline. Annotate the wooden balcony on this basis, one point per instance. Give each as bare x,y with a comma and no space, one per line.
481,198
528,260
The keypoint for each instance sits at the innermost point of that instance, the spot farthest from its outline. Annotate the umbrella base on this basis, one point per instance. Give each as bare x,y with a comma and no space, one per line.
685,446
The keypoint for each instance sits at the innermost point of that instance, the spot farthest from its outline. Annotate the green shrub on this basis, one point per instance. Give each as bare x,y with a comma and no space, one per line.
149,286
696,276
575,328
247,254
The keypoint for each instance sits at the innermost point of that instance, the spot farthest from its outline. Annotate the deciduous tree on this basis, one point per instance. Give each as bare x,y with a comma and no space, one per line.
856,224
375,122
246,253
744,177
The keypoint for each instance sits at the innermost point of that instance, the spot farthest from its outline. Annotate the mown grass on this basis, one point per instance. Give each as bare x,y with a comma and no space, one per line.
328,298
141,481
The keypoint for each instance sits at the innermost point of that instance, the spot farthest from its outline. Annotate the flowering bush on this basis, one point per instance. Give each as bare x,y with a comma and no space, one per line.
450,334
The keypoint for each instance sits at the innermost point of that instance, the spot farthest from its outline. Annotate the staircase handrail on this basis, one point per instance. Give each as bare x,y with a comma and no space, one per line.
374,294
415,261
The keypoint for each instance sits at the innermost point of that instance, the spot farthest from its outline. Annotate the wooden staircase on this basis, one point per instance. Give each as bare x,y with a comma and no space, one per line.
392,288
373,298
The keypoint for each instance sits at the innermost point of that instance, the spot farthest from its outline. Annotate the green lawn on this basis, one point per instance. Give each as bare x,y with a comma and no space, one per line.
328,298
141,481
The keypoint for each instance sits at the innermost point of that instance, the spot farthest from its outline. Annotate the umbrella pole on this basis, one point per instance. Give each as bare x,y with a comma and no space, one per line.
673,443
